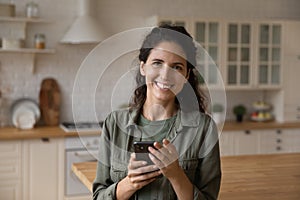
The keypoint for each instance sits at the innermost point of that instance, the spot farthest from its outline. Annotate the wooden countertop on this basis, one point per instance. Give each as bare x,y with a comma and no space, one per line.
250,125
11,133
275,176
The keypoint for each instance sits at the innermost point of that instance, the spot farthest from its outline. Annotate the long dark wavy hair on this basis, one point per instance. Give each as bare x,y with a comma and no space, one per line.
190,97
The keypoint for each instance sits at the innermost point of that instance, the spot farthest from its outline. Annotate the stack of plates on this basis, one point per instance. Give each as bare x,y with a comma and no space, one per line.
25,113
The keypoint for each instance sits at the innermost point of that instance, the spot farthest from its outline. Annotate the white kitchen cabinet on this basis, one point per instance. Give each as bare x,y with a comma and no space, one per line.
247,53
291,61
239,49
273,141
267,141
10,170
208,35
240,142
292,140
43,169
226,143
247,142
269,54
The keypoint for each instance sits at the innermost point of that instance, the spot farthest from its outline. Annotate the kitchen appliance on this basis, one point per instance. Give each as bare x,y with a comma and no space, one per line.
85,28
78,149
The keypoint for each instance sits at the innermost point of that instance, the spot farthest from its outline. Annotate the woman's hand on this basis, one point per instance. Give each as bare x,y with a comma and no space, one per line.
139,175
165,158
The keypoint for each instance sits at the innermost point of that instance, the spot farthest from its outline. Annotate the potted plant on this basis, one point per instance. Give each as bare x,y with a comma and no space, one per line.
217,110
239,111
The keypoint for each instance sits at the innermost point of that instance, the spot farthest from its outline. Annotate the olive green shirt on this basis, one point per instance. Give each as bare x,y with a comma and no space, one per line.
195,137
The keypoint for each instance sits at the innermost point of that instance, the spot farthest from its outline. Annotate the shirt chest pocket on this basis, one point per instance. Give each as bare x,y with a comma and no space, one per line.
190,167
118,171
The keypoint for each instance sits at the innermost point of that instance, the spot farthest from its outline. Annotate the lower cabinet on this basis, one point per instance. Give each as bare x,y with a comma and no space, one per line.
32,169
10,170
268,141
43,169
239,143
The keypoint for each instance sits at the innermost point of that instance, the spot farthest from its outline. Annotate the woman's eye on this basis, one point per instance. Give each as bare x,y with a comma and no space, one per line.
156,64
178,67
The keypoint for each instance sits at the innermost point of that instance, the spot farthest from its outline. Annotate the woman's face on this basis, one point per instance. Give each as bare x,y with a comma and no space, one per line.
165,72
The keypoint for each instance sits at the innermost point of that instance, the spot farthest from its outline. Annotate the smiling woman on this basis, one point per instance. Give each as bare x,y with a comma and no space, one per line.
167,108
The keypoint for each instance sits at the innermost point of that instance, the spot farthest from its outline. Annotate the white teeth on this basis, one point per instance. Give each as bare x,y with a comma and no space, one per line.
163,86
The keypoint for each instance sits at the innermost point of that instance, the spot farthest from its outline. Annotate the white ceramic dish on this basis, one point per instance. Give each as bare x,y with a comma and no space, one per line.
25,113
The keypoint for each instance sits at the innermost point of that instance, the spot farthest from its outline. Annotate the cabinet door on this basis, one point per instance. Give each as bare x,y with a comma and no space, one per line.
43,169
292,140
10,170
247,142
227,143
238,55
207,34
291,63
269,55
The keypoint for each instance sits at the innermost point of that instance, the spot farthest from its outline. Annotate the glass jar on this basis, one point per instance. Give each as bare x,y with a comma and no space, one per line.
39,41
32,10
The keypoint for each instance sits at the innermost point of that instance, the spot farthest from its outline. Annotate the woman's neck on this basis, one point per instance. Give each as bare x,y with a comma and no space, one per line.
155,111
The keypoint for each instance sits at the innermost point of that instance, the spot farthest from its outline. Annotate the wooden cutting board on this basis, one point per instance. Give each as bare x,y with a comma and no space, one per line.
50,100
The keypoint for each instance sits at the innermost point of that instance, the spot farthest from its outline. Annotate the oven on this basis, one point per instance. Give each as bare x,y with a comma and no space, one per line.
78,149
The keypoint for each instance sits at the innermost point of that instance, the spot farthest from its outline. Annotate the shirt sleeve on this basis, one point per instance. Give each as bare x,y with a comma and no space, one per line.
208,175
103,187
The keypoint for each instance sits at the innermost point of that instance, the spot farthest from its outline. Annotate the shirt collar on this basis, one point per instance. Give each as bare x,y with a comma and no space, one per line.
189,119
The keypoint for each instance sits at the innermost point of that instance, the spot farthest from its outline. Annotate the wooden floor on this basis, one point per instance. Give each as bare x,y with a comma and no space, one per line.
257,177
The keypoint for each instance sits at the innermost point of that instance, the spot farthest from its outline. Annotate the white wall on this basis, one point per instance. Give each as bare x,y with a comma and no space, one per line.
17,81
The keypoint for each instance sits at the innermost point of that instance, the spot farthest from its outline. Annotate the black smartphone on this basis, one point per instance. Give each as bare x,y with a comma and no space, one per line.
141,150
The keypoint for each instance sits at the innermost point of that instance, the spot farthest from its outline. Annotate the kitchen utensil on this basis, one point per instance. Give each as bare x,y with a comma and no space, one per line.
50,101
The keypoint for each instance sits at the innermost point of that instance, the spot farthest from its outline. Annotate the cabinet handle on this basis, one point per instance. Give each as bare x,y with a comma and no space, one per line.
278,140
45,139
247,132
278,131
278,148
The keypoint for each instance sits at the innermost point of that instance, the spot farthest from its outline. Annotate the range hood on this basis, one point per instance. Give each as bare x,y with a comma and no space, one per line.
85,28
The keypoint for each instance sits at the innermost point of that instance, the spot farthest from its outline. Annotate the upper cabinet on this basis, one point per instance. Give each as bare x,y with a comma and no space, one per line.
207,34
238,51
269,54
247,53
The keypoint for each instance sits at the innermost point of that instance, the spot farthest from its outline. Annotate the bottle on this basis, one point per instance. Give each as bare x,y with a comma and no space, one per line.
39,41
32,10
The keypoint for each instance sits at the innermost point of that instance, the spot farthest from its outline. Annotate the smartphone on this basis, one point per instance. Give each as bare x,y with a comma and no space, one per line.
141,150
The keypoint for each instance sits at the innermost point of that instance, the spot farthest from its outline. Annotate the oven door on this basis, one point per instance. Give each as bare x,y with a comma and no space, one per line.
73,186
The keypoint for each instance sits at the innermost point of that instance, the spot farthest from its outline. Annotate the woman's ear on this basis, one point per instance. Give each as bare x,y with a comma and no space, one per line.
142,70
187,75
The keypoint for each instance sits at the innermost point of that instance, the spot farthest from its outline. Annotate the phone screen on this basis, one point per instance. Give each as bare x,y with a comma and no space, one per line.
141,150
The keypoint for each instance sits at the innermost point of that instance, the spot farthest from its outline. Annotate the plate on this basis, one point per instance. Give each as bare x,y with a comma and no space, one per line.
25,113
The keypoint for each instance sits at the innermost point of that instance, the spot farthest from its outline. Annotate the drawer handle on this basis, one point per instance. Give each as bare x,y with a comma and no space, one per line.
247,132
279,140
278,131
278,148
45,139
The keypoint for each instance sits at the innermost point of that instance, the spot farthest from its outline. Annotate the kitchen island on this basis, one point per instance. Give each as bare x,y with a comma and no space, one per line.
274,176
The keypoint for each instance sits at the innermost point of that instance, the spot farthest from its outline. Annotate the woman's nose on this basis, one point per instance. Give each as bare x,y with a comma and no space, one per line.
166,72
